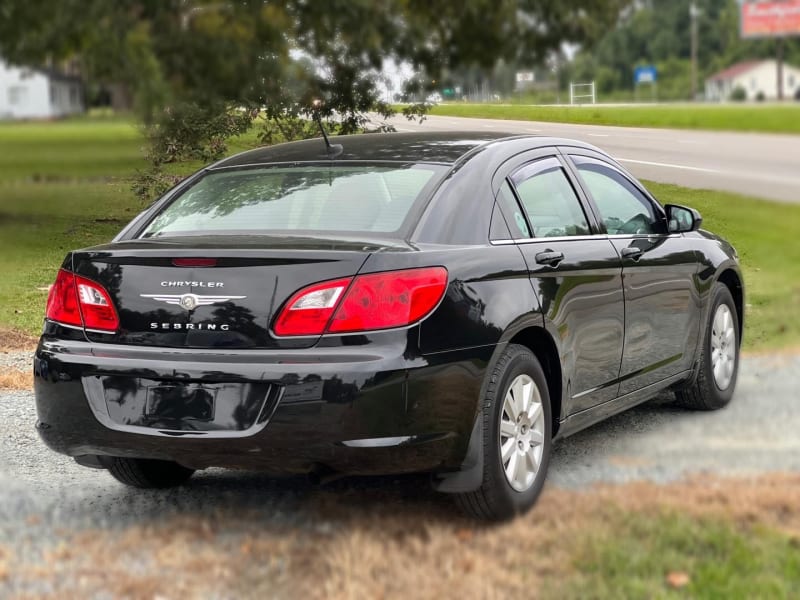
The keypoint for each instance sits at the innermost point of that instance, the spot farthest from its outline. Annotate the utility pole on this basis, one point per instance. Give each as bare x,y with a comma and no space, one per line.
694,12
779,61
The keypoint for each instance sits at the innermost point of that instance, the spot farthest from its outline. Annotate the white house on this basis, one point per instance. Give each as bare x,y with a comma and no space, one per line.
754,76
38,93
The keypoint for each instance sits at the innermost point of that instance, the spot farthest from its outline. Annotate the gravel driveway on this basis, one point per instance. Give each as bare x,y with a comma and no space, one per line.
42,493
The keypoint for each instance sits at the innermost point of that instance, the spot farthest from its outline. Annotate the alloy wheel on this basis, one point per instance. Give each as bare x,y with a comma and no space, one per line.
723,347
522,429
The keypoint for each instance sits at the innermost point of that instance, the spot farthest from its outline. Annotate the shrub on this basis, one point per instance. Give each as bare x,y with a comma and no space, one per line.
739,94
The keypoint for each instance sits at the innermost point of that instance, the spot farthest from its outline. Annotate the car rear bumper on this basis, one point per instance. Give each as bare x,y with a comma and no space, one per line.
365,410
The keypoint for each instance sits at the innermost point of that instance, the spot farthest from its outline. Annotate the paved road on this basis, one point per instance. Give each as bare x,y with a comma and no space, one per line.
763,165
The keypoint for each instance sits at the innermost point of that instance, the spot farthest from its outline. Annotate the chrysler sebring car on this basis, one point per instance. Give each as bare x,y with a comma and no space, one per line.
442,303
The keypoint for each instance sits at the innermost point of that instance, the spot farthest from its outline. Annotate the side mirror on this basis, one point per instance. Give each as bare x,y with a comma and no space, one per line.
681,219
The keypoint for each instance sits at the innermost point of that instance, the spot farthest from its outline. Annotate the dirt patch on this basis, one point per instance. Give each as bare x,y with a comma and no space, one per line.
13,379
355,546
14,340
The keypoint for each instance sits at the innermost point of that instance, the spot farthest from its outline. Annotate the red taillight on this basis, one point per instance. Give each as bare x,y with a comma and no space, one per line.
81,302
365,303
310,309
392,299
62,303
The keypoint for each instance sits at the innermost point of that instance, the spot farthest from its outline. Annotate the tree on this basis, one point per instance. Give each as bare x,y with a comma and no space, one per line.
207,58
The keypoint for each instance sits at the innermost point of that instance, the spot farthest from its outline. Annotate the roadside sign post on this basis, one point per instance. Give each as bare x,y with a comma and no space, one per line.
524,81
643,75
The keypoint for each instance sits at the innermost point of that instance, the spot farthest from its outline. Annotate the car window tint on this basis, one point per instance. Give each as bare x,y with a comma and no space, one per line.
498,230
623,208
515,218
553,207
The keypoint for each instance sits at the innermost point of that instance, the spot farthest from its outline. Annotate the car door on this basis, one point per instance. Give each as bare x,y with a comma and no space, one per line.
576,274
658,271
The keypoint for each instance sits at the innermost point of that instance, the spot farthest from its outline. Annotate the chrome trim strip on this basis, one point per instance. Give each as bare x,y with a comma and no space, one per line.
60,324
561,238
86,329
620,236
383,442
598,236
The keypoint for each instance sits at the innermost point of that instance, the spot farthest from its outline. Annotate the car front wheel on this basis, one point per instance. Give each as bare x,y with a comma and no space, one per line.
718,365
516,438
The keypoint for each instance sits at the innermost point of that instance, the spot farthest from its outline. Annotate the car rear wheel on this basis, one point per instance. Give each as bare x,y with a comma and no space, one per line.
718,366
145,473
516,438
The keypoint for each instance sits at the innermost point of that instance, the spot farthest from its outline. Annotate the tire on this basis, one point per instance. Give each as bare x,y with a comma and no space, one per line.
145,473
497,499
709,391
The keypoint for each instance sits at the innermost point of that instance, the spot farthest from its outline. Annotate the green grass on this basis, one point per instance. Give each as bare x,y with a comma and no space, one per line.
764,118
79,149
632,558
66,185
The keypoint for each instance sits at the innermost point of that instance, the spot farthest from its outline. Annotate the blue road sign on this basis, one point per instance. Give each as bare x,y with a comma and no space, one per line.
646,74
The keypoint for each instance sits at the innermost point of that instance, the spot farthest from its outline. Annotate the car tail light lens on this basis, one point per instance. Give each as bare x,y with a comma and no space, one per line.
81,302
391,299
364,303
62,302
310,309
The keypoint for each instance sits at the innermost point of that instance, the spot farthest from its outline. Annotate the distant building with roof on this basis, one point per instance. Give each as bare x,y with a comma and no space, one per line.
27,93
758,78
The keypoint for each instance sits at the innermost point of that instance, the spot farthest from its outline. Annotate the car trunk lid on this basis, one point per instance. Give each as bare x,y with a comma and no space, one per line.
215,292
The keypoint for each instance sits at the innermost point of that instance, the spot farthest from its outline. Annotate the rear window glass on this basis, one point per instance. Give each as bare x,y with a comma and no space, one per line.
372,198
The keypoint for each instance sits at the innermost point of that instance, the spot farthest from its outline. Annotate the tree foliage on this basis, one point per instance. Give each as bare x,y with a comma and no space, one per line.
209,57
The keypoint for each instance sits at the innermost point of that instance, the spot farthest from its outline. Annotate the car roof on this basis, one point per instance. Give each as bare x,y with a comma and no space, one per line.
447,147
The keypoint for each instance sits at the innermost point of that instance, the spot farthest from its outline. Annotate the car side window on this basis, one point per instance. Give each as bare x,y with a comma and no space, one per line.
515,218
553,207
623,208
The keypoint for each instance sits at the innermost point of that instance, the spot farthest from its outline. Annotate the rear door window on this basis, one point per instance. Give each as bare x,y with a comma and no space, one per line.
552,206
510,208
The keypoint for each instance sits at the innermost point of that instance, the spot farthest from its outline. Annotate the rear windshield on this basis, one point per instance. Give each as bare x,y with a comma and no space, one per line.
328,198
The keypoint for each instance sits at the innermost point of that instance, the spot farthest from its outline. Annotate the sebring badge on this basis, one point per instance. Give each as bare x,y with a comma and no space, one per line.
190,301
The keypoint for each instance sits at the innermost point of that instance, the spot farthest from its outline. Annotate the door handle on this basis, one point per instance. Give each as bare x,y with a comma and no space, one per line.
632,252
548,257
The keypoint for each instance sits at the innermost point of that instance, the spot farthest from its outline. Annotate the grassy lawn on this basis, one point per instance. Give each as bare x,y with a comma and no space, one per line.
66,185
634,558
768,118
71,150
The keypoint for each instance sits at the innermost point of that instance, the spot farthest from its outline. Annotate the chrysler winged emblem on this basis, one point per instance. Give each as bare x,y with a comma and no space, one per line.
190,301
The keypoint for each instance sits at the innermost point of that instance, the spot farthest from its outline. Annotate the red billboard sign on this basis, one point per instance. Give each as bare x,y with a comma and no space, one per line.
770,19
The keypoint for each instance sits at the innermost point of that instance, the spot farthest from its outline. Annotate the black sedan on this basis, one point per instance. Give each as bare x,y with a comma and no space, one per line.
446,303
